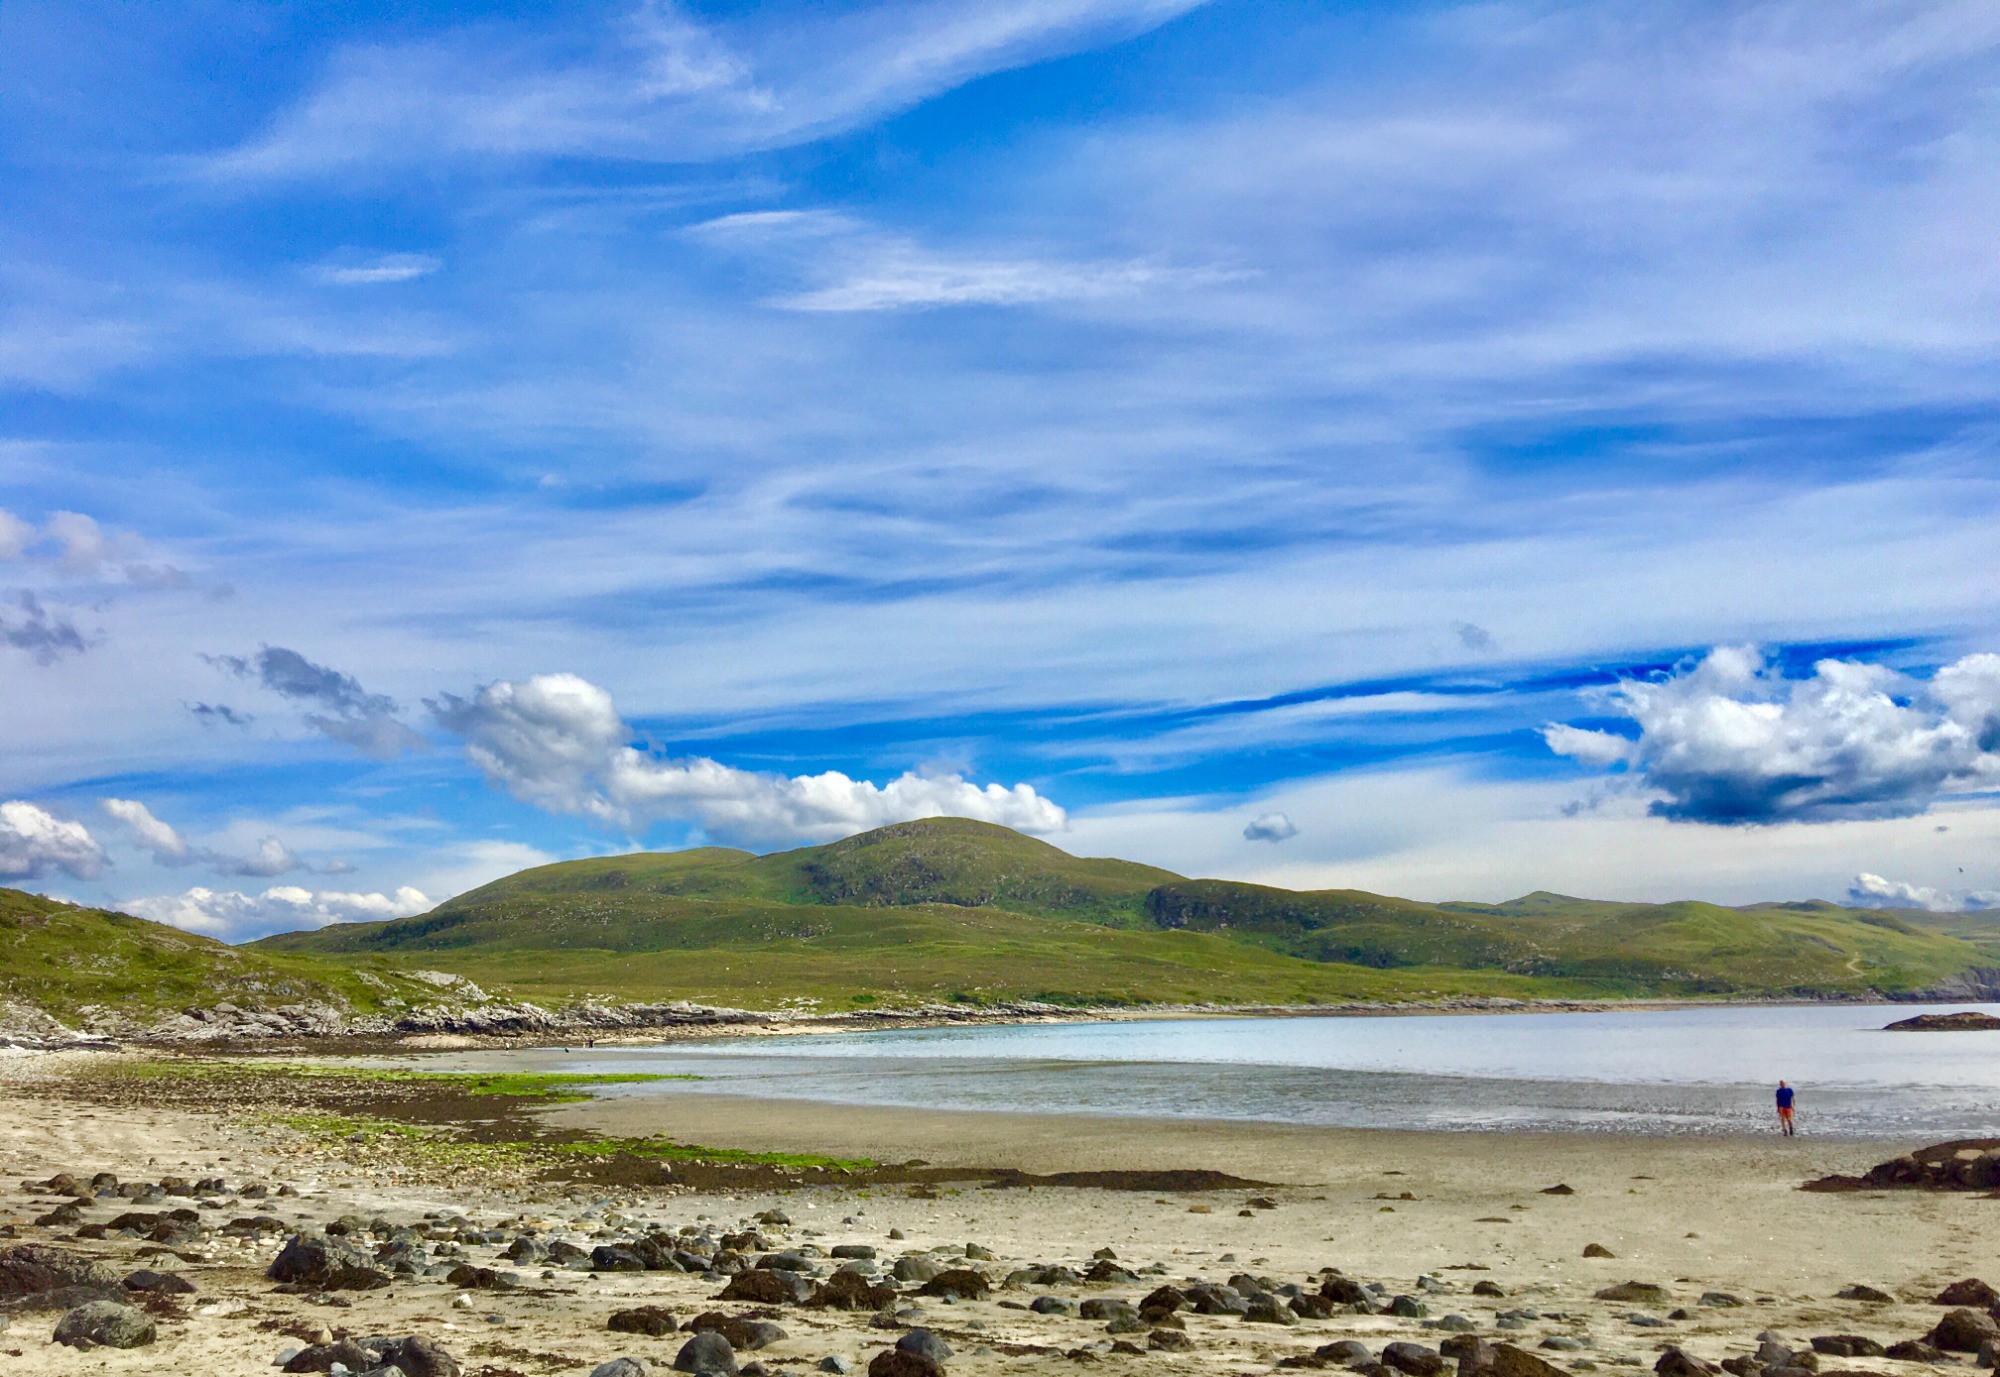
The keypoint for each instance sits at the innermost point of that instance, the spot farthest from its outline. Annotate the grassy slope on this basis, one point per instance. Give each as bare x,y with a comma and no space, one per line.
1680,948
59,958
939,860
640,945
948,908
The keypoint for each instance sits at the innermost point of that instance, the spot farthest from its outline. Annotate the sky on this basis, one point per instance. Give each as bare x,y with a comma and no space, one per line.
1451,450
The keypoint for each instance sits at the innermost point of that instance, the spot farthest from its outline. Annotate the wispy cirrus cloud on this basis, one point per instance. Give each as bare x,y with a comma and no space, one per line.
660,84
859,268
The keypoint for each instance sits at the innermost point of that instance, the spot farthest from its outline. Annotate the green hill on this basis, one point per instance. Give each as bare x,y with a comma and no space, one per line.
1676,948
953,909
63,960
935,861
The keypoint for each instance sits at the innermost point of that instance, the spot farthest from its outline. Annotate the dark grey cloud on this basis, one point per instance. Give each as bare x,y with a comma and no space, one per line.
1473,636
348,713
219,714
1271,827
47,636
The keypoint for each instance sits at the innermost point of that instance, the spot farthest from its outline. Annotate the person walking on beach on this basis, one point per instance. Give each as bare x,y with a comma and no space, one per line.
1785,1096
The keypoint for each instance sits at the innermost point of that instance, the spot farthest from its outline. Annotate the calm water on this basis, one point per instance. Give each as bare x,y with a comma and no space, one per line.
1671,1071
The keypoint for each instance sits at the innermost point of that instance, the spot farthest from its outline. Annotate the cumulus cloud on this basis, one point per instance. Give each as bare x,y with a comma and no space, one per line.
347,712
235,916
47,636
1732,740
169,847
557,741
34,842
1873,891
1271,827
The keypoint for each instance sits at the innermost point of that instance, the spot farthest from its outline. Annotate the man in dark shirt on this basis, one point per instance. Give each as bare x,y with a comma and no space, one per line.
1785,1095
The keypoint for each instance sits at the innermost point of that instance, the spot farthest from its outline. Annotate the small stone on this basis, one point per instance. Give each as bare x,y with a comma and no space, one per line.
1639,1291
622,1367
1597,1250
1412,1359
105,1324
1963,1331
651,1320
1859,1292
925,1344
899,1362
707,1354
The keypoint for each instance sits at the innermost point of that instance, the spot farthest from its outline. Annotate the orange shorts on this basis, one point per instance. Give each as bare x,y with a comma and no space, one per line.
1785,1112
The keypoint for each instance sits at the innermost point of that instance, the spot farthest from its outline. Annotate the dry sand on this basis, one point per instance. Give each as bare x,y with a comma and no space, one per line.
1693,1215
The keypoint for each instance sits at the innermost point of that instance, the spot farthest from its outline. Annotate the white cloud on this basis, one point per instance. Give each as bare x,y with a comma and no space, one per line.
1731,740
15,534
235,916
1873,891
1271,827
557,741
394,267
34,842
169,847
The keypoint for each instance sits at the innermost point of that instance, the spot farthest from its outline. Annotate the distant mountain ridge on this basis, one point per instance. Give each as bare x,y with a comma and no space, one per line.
953,908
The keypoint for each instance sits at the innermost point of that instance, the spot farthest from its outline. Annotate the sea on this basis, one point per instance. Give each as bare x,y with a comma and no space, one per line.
1705,1070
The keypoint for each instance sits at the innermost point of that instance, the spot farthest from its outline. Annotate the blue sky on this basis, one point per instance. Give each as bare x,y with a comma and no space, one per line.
438,439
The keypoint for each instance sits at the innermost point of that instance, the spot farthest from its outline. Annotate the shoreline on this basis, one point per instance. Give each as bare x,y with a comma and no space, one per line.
531,1026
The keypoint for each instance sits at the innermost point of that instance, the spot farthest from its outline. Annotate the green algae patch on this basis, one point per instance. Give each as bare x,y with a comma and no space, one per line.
662,1150
552,1087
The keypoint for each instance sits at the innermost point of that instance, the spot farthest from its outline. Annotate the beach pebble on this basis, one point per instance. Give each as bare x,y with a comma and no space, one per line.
1677,1363
651,1320
914,1267
1970,1292
1597,1250
105,1324
1169,1341
1412,1359
835,1364
707,1354
1859,1292
625,1367
925,1344
1963,1331
1052,1305
899,1362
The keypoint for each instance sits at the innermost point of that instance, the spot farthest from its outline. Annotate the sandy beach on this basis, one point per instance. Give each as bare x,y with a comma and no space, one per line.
1425,1215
